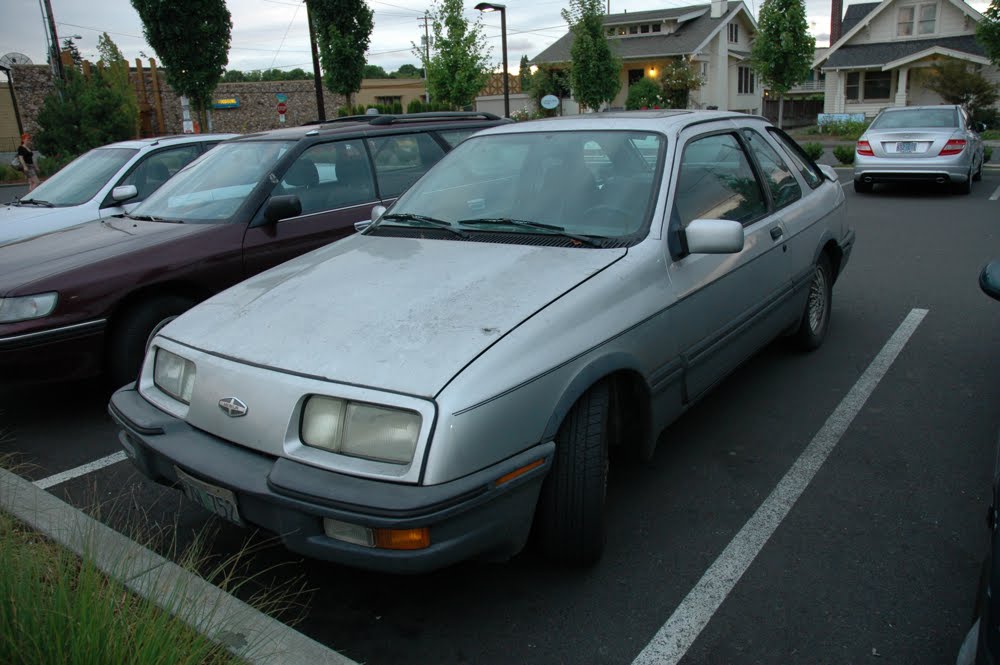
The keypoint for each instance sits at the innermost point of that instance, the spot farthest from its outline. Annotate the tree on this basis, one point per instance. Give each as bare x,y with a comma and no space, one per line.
459,65
343,31
644,94
549,81
114,72
596,69
679,80
69,46
524,73
957,84
375,72
191,37
783,49
107,50
988,32
408,72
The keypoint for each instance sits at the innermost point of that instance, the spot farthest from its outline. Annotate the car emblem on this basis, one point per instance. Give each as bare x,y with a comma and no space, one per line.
233,407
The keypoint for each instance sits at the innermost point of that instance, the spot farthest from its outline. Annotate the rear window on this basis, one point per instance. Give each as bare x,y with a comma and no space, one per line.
917,118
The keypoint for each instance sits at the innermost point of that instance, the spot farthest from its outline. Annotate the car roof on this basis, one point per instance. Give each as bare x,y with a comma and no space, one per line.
657,120
897,109
369,123
178,139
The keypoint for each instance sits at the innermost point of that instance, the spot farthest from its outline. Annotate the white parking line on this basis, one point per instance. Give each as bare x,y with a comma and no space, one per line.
996,194
680,631
81,470
846,183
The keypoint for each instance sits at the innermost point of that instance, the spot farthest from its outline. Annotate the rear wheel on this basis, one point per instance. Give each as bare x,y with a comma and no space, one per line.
963,187
127,344
979,172
816,317
862,187
570,522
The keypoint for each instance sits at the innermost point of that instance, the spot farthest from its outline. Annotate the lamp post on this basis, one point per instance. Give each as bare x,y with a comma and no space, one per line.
493,7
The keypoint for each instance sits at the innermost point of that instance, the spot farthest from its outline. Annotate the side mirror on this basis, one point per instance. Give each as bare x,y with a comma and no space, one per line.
989,279
829,172
124,193
377,212
282,207
714,236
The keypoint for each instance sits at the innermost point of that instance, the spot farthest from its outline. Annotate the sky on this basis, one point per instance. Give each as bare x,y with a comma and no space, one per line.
274,33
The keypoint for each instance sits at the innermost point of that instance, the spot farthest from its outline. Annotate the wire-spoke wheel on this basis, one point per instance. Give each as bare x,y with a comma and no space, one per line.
816,317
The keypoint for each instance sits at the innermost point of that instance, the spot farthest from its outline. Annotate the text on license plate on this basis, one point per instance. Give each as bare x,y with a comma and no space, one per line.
218,500
906,146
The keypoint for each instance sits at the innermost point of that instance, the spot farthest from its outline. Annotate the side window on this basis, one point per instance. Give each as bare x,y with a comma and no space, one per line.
401,159
159,167
778,177
800,160
455,136
329,176
715,181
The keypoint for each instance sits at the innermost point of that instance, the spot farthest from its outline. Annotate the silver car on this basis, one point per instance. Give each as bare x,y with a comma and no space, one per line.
934,144
449,380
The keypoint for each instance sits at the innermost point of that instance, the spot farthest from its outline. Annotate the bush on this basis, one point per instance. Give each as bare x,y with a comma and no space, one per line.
814,150
10,174
844,154
850,130
47,166
343,111
987,153
991,135
644,94
415,106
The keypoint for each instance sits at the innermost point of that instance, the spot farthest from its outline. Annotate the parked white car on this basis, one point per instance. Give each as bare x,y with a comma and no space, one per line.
449,380
106,181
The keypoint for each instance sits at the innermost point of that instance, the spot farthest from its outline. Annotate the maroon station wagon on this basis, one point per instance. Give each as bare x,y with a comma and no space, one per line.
84,300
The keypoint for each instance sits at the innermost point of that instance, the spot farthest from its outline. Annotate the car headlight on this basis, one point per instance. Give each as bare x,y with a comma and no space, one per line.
25,308
174,375
360,430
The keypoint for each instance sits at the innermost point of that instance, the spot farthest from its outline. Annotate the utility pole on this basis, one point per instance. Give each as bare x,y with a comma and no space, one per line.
427,51
57,66
317,79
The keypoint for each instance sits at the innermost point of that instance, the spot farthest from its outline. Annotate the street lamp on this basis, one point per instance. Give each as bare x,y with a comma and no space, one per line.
493,7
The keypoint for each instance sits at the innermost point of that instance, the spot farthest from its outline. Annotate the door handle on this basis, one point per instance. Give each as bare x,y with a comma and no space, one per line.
776,232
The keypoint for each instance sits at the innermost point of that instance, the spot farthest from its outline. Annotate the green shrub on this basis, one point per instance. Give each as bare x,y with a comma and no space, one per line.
415,106
987,153
10,174
644,94
814,150
343,111
850,130
48,166
991,135
844,154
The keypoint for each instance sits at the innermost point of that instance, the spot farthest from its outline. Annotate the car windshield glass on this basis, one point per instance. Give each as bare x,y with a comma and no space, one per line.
917,118
584,183
81,180
211,189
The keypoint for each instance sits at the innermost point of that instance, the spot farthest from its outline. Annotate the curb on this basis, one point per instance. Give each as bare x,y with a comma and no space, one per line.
229,621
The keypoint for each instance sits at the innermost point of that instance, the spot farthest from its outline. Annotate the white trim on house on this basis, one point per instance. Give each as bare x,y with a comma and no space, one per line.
725,22
935,50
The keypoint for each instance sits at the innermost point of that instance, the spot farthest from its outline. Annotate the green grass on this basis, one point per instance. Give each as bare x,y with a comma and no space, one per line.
991,135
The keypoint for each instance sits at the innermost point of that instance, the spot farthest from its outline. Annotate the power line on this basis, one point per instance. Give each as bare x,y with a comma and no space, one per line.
285,36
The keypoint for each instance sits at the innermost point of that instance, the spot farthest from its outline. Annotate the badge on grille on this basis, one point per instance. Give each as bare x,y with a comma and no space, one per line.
233,407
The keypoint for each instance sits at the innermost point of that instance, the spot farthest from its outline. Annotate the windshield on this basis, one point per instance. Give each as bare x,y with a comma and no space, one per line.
917,118
212,189
587,183
81,180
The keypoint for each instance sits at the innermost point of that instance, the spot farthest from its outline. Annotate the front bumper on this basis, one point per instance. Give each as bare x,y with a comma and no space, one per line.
56,354
471,517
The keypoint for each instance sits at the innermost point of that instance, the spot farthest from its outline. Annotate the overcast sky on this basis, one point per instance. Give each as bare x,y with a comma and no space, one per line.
274,33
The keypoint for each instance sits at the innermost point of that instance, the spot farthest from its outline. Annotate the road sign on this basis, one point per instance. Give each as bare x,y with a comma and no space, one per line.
282,107
282,97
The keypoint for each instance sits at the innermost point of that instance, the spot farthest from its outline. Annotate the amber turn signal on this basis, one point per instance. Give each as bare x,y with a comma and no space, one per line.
403,539
507,477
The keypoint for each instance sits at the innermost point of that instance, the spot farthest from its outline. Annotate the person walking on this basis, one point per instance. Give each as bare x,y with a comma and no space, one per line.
27,157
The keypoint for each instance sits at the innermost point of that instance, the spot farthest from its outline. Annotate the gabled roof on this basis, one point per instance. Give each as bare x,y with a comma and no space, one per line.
877,55
690,37
854,15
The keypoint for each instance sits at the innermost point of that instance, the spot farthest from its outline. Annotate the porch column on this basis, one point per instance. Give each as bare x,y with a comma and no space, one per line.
901,80
836,103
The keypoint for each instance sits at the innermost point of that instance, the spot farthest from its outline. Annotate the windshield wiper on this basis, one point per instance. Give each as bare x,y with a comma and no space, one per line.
593,241
36,202
150,218
424,219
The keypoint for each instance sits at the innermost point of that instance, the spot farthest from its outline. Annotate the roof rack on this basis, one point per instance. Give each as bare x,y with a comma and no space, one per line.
390,118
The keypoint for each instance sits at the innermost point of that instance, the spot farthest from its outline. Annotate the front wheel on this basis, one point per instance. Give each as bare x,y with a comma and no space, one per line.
127,344
570,521
816,317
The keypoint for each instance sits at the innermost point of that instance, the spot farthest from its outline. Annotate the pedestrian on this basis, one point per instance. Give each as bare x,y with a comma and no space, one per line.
27,157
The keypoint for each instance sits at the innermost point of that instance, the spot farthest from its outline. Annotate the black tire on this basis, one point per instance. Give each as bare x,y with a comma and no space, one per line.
963,188
570,521
979,172
127,344
862,187
816,316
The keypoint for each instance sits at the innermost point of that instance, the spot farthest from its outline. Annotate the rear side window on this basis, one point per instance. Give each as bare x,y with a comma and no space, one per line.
800,160
715,181
400,160
157,168
329,176
455,136
778,177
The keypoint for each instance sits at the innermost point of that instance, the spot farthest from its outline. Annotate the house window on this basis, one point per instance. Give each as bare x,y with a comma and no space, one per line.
917,19
645,29
734,33
656,27
611,32
745,83
852,92
635,75
633,30
868,86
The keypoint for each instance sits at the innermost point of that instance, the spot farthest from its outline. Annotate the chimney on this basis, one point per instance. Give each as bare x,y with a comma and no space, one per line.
836,18
718,8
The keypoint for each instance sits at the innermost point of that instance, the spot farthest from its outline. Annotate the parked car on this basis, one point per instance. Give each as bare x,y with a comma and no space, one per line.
102,183
82,300
428,390
982,644
933,144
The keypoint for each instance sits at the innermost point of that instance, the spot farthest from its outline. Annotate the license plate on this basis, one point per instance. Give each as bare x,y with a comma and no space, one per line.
906,146
214,499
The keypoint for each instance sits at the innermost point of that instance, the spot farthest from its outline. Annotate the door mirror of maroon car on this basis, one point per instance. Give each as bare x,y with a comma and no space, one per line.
124,193
989,279
282,207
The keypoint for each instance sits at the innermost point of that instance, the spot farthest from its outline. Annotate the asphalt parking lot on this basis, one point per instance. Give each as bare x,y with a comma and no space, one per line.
871,552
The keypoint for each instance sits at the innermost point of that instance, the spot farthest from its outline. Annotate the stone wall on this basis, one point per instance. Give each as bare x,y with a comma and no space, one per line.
257,109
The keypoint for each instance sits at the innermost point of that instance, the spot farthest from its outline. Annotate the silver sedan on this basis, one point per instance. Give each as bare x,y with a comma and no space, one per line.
937,144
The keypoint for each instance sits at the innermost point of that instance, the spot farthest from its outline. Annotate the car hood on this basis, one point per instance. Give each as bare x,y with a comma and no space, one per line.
399,314
19,222
27,261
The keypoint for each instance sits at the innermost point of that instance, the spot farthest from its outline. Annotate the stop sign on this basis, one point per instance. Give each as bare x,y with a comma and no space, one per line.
282,107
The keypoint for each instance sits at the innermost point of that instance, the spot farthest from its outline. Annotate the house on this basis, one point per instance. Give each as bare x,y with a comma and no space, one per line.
883,50
714,38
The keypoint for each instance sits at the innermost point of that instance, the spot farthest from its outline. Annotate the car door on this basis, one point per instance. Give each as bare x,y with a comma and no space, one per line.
728,305
147,174
333,182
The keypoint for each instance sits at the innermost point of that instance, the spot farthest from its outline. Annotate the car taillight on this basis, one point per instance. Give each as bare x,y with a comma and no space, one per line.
953,147
864,148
